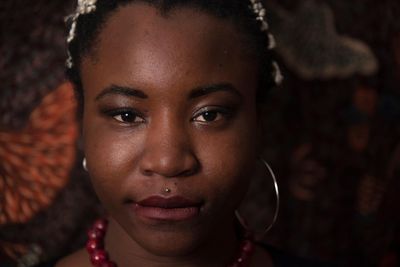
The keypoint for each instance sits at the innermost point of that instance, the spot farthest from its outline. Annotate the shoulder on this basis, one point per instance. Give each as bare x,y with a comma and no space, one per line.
77,259
282,259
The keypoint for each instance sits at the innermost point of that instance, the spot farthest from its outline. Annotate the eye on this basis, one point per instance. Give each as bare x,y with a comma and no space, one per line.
210,115
207,116
127,117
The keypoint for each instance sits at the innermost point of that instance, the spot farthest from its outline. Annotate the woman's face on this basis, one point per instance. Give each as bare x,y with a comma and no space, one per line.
170,103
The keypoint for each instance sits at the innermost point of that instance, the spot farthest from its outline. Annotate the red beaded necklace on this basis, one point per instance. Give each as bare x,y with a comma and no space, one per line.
99,256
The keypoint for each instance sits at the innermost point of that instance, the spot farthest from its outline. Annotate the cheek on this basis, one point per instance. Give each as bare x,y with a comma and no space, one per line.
228,162
110,157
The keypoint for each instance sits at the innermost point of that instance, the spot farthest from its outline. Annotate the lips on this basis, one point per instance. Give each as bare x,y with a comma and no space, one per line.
157,208
167,203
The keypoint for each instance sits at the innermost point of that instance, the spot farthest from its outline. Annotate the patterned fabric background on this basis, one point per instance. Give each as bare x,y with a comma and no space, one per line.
332,135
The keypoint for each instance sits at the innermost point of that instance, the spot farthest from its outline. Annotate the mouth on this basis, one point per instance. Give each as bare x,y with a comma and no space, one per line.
156,208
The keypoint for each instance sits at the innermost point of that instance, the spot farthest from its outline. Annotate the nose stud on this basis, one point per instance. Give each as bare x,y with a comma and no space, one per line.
167,190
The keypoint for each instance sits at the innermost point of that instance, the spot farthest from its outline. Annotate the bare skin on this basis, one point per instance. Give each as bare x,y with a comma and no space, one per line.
170,102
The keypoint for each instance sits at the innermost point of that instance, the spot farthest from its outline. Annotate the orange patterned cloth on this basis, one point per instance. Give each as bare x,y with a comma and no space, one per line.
35,162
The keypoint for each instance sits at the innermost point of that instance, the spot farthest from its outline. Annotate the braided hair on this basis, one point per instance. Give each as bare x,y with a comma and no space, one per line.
89,26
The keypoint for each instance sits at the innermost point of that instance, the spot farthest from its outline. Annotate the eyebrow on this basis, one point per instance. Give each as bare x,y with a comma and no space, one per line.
195,93
121,90
212,88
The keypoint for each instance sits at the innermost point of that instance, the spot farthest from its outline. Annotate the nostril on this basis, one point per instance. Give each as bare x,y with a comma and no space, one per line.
189,171
169,166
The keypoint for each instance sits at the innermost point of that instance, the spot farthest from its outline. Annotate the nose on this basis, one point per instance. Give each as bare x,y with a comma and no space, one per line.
168,150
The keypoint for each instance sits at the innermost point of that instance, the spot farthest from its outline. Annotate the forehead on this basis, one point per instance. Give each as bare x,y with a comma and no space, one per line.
138,41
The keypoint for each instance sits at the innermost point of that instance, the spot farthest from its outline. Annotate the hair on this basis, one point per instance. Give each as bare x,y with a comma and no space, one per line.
90,25
27,52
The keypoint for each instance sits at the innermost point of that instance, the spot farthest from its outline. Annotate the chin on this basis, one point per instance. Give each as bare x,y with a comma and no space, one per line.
170,240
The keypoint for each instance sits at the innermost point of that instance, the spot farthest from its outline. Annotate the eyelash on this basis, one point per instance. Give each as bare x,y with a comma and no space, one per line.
217,114
126,111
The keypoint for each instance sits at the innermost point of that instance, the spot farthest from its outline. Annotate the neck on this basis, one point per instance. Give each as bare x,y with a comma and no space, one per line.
218,251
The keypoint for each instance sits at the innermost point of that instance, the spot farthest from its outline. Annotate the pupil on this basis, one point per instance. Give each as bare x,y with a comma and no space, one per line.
210,116
127,116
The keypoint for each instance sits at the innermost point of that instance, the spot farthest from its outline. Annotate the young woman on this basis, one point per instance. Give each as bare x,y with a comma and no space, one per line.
171,94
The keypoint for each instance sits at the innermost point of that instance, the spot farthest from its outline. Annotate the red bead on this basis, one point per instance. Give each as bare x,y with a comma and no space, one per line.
93,245
244,259
101,225
95,234
247,246
98,257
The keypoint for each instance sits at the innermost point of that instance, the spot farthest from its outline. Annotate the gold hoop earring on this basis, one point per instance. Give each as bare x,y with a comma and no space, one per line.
276,188
84,164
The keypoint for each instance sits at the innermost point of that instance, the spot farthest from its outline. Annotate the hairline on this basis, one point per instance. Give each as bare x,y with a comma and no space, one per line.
93,45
